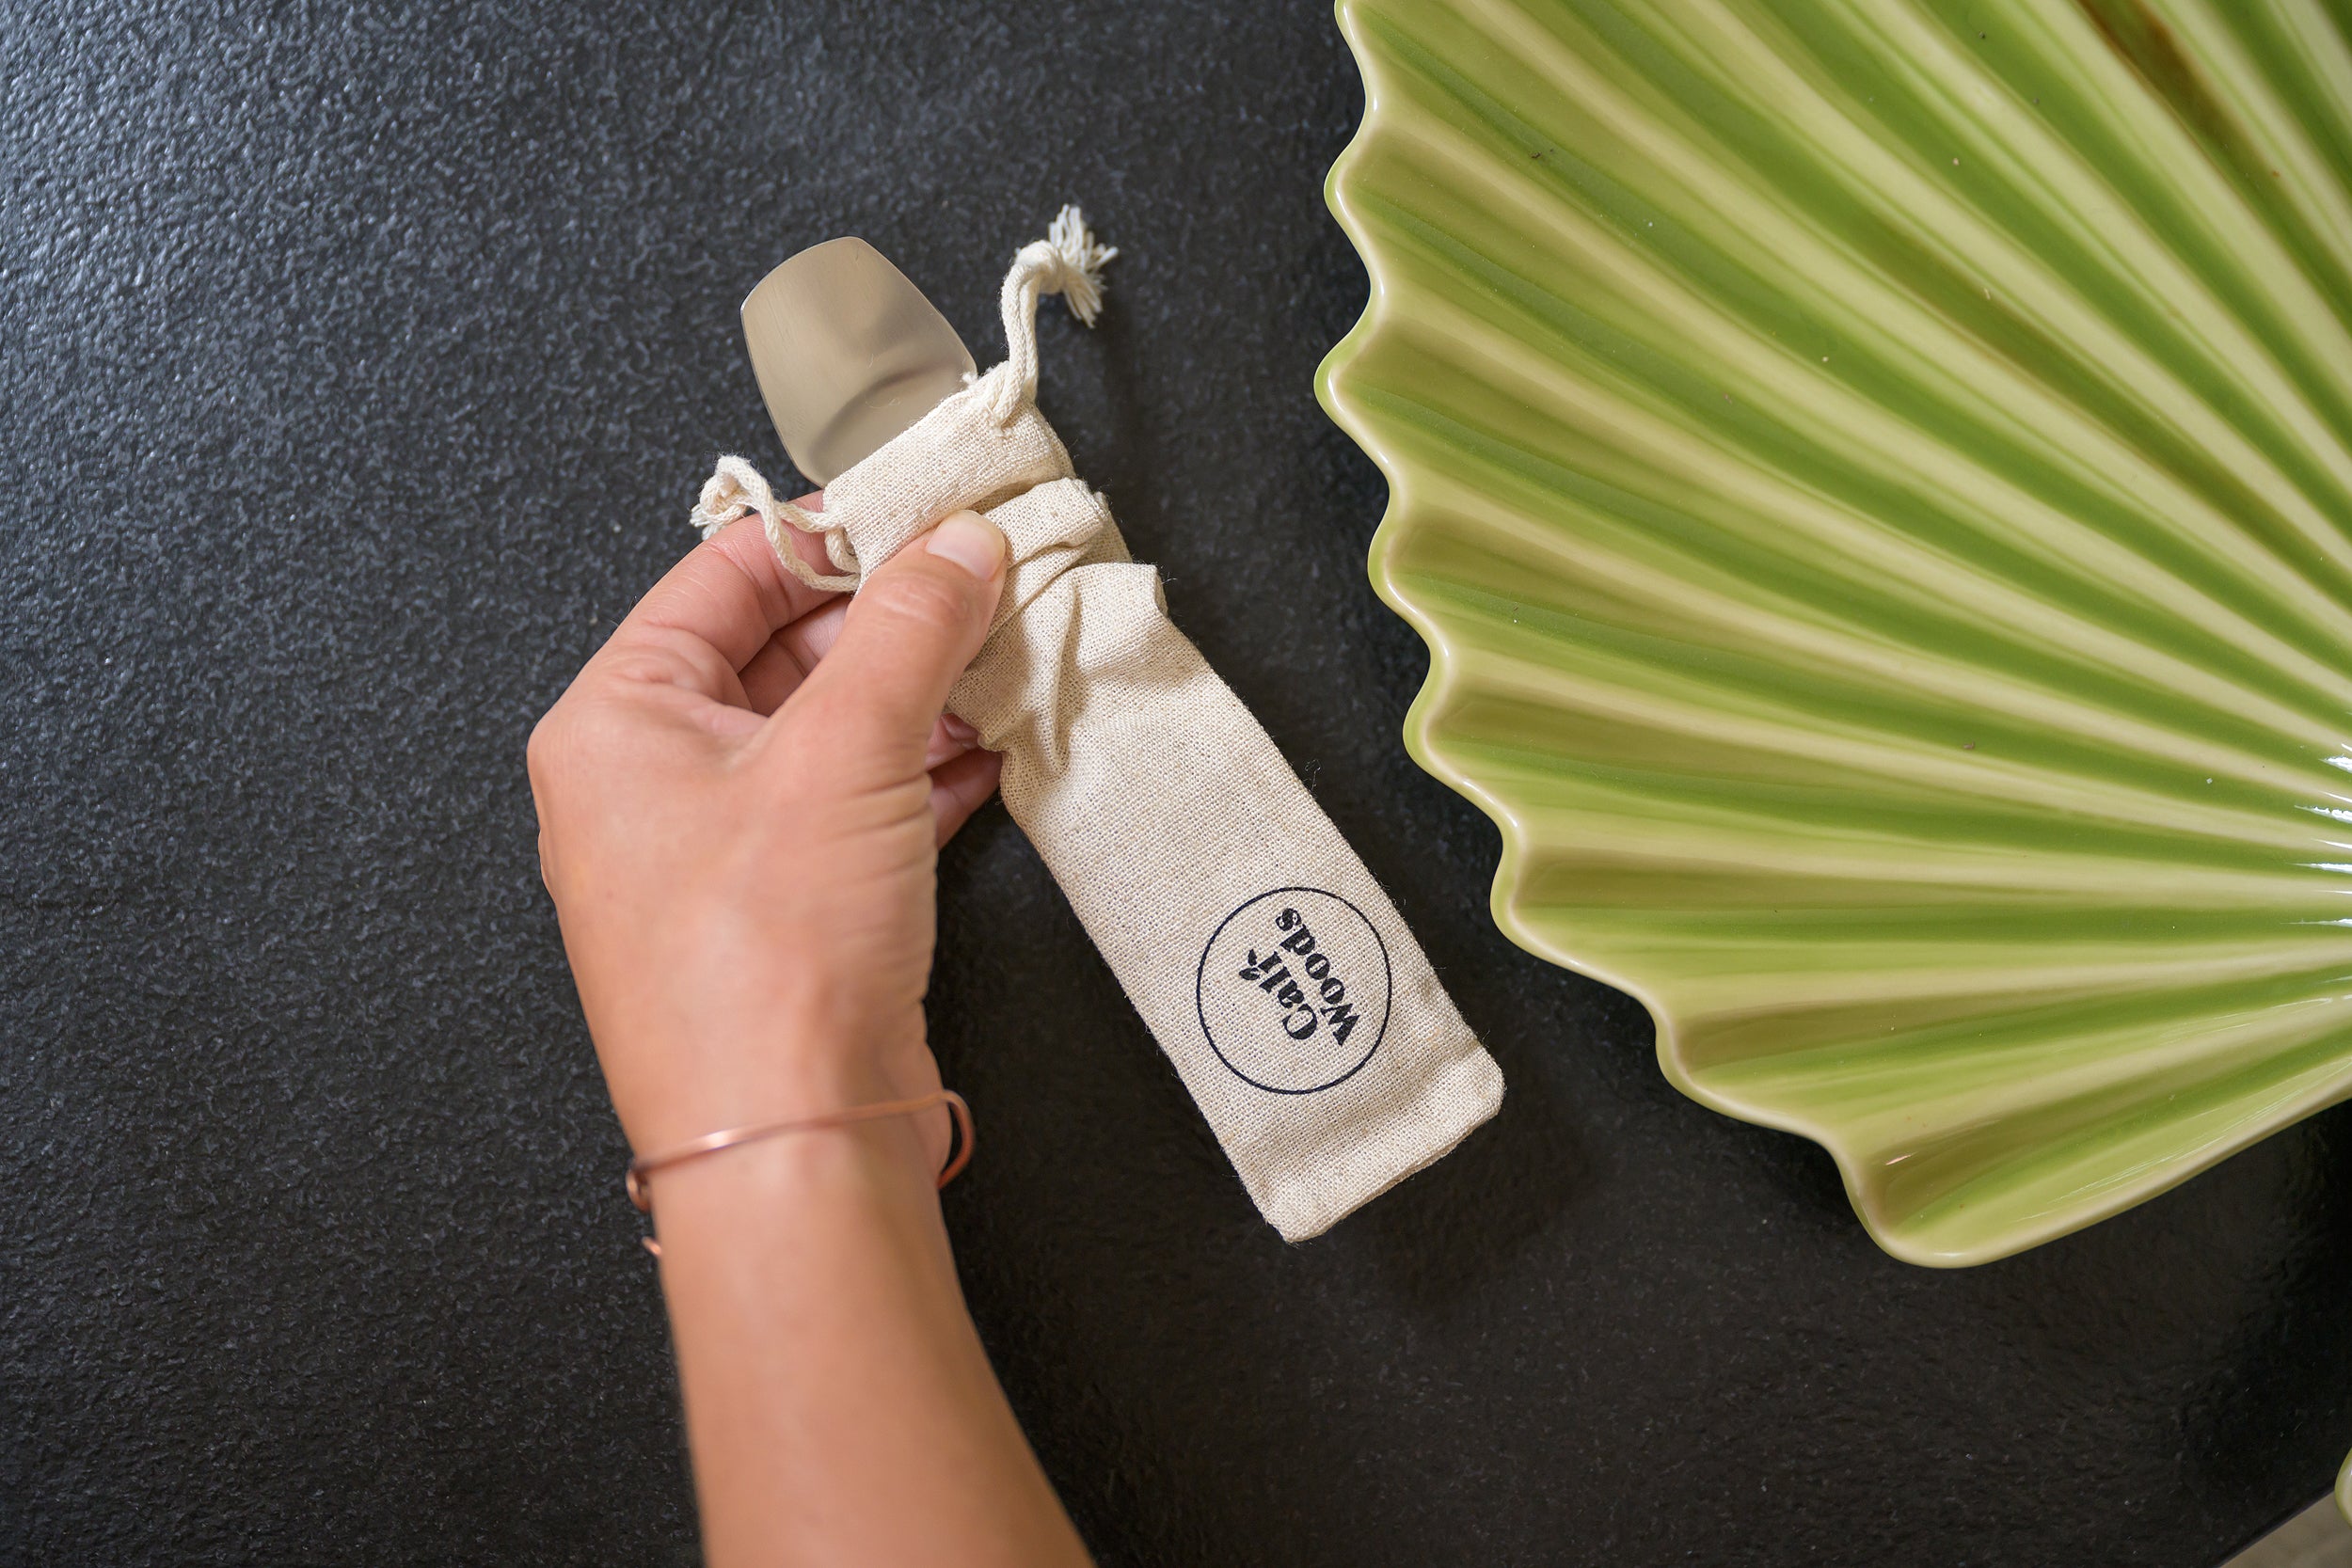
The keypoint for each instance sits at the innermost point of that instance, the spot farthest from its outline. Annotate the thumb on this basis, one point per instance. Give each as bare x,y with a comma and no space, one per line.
915,623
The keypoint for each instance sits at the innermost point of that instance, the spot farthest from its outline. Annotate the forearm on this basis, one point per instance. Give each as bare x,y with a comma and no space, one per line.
739,805
839,1406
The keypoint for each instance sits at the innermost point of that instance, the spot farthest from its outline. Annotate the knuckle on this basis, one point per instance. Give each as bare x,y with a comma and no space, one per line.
932,598
542,753
558,741
671,650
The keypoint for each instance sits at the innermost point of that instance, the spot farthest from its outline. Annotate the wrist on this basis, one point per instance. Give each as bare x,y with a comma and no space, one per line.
672,1086
766,1188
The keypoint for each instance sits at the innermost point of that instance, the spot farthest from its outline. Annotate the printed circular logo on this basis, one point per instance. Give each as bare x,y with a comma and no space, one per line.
1294,990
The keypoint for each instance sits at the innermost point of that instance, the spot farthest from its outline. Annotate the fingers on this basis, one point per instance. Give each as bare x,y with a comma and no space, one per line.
950,738
914,625
961,787
777,670
720,605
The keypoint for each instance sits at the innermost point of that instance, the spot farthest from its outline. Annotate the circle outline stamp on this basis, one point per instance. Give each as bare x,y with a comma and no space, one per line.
1388,989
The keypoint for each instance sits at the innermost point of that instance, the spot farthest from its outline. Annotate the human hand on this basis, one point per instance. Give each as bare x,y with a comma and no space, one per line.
741,799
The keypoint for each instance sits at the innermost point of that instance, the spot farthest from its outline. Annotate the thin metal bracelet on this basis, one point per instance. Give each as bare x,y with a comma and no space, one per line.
644,1165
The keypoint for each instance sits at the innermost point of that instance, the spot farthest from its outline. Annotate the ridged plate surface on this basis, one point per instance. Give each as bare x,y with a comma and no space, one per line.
1873,479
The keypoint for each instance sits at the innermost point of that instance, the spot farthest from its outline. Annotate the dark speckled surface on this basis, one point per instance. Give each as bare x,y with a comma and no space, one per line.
358,366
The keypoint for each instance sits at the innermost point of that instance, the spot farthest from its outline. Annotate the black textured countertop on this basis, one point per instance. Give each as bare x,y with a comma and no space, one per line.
358,368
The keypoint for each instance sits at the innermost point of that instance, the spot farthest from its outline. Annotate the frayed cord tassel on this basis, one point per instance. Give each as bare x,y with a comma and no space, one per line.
1069,263
1079,277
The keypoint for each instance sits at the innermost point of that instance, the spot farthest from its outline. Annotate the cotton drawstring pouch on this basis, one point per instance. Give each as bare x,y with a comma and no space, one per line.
1296,1005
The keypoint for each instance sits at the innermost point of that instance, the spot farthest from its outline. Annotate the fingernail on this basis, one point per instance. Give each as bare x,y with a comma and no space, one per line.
972,542
957,731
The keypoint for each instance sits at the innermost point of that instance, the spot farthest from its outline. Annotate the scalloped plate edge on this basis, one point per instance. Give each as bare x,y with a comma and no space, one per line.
1397,521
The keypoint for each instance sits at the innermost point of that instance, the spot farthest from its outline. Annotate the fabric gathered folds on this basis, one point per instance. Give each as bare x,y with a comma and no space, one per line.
1293,1002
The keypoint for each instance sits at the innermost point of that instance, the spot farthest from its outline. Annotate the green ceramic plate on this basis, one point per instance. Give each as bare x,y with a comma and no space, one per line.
1874,482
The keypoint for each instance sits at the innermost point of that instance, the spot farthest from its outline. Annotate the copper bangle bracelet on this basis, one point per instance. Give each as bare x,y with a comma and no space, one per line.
711,1143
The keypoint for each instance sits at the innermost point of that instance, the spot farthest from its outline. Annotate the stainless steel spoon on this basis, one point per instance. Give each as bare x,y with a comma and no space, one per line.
847,353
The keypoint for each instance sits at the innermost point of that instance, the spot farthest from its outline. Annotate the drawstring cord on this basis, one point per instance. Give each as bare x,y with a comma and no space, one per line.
1068,262
735,487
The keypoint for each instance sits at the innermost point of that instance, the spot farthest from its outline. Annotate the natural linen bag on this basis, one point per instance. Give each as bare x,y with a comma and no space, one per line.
1269,965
